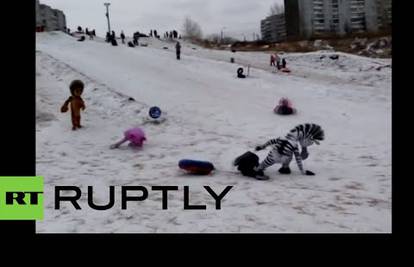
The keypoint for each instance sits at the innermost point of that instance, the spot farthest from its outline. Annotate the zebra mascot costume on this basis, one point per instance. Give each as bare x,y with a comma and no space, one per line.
283,149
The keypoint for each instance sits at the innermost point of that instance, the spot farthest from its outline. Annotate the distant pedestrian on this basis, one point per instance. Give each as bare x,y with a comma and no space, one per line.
135,38
281,63
178,50
155,33
151,33
94,33
113,36
108,37
123,37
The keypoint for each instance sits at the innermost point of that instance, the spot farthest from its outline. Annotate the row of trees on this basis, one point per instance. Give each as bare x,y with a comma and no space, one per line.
192,30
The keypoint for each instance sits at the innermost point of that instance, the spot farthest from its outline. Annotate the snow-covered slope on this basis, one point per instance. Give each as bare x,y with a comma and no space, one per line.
211,116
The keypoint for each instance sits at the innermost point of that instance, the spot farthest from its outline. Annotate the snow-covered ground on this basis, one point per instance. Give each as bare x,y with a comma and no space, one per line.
213,116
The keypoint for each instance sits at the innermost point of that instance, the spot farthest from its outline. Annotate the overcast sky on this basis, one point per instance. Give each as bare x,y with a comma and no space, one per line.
238,16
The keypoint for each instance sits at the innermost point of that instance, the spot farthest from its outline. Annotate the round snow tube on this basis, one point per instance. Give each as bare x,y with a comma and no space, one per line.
196,166
155,112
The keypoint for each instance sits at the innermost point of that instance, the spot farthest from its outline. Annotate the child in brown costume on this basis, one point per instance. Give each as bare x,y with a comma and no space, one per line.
76,103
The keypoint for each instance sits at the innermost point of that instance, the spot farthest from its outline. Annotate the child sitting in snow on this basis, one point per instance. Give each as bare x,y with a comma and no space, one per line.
284,107
135,136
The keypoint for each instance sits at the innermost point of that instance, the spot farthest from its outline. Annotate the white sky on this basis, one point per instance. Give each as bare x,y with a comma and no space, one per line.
238,16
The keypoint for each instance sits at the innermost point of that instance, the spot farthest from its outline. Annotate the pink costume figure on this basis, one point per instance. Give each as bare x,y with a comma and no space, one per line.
135,136
273,60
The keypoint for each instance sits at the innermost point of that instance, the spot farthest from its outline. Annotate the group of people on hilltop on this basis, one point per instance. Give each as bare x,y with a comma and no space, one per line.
91,33
111,38
172,35
154,33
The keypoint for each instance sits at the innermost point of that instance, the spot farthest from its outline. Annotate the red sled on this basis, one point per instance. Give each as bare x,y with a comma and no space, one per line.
285,70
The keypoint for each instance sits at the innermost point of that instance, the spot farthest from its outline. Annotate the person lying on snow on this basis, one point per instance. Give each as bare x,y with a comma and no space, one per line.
246,164
284,107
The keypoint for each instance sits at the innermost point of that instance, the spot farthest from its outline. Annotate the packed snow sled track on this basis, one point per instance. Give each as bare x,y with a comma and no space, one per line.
212,116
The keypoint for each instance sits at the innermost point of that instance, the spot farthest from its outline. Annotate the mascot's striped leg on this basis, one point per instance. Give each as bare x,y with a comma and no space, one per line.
285,165
268,161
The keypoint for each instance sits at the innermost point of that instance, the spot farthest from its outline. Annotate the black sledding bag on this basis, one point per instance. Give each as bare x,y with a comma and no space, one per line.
246,163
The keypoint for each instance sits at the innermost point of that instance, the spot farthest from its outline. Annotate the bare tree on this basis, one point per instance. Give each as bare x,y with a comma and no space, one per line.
215,38
192,29
276,9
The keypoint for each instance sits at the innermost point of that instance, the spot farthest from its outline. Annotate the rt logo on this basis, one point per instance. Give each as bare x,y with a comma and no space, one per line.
21,198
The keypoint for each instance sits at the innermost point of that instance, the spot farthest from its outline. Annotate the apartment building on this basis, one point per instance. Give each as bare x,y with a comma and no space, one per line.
307,18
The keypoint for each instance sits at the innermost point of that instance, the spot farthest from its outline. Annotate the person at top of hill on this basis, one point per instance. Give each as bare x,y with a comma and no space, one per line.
123,37
108,37
136,38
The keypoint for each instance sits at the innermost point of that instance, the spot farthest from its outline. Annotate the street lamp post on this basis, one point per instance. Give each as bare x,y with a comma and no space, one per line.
107,16
222,35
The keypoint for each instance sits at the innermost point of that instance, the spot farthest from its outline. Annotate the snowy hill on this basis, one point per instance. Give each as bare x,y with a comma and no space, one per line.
213,116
